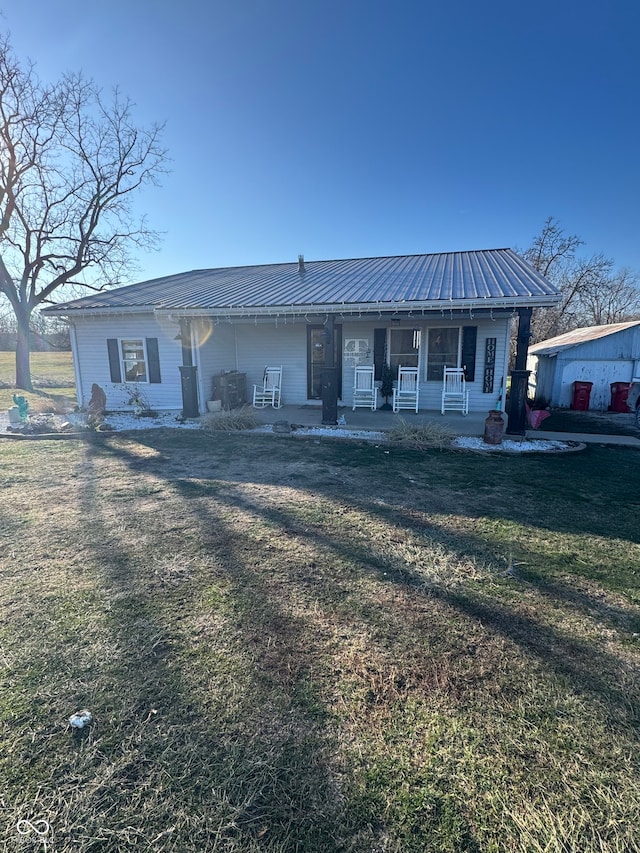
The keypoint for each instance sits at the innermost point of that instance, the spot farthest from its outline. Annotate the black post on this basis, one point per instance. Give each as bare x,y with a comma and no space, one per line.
517,413
185,342
329,376
188,374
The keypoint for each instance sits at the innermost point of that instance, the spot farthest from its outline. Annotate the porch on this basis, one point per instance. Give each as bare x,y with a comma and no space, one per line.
380,420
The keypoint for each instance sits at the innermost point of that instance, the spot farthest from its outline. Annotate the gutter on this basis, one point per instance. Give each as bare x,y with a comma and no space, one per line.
362,309
83,312
386,310
368,309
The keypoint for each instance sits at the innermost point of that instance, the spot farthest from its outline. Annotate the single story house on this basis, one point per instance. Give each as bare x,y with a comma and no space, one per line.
601,355
177,336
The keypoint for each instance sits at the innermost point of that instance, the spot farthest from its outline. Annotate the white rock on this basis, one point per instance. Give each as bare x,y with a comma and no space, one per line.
80,719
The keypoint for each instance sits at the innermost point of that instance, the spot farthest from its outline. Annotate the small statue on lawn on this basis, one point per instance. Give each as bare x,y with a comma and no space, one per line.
96,407
23,406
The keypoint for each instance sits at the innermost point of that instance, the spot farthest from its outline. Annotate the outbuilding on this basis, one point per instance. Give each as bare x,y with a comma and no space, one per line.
179,336
602,360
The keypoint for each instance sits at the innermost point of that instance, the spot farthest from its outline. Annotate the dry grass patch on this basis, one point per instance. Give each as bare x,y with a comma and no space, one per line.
420,436
230,420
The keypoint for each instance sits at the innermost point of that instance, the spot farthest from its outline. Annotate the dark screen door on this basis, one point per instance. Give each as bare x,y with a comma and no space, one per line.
317,359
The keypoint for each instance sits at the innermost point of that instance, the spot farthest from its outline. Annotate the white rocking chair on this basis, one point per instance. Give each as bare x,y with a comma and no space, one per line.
455,397
405,394
268,394
365,393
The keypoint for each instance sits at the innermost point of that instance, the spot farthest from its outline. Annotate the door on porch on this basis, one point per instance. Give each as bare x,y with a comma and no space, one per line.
318,358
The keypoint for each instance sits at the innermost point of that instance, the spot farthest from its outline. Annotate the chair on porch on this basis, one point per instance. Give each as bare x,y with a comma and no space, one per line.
268,394
405,394
365,393
455,397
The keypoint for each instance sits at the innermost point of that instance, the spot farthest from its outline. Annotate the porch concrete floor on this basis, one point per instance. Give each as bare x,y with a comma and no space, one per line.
365,419
471,424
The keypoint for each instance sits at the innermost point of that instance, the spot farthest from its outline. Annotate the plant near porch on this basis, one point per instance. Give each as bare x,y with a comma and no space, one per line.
137,399
386,385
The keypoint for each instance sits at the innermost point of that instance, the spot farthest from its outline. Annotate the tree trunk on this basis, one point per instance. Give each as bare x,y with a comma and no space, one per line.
23,352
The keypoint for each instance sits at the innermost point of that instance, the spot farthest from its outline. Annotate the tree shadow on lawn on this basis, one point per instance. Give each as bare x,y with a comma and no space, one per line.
566,493
277,642
253,753
579,662
575,659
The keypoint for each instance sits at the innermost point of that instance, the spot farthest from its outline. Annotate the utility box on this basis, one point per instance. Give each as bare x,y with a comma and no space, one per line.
581,395
619,394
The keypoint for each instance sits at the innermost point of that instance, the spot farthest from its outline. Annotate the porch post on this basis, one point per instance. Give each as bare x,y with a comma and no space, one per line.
329,376
188,379
517,412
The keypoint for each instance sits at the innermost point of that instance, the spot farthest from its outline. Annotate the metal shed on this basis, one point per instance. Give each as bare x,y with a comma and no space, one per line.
601,355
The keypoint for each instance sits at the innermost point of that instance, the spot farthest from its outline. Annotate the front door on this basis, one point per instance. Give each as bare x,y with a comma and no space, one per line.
317,359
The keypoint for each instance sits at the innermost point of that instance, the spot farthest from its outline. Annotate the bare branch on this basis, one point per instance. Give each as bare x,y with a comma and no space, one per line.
71,163
593,293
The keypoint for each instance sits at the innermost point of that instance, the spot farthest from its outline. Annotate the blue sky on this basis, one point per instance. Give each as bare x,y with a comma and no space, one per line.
351,128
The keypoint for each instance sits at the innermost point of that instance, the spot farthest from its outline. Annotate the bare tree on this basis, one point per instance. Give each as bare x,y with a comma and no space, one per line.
613,301
593,292
70,164
552,250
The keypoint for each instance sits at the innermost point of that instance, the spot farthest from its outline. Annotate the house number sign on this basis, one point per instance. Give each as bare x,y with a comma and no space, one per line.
489,365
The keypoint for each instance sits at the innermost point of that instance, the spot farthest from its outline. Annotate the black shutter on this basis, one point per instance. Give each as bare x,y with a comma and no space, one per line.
154,360
379,346
469,339
114,359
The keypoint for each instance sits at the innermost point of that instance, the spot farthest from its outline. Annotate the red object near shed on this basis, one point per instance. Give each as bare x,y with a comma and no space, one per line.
581,395
619,394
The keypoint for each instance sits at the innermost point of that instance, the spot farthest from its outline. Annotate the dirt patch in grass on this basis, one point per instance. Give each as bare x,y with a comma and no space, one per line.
298,646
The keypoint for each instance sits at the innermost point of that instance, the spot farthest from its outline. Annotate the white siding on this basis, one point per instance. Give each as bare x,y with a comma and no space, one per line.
431,392
543,370
216,351
249,347
356,331
93,362
284,345
600,373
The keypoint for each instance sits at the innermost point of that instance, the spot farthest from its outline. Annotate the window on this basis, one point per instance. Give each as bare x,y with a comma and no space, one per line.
443,349
134,361
404,348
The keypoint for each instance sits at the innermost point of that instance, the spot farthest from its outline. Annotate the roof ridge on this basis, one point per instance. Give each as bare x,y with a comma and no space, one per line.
362,258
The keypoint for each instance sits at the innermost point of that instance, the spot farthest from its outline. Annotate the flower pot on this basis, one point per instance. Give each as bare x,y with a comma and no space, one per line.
14,416
493,427
214,405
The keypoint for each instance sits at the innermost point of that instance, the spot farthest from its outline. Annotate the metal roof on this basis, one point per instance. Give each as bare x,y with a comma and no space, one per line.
491,278
579,336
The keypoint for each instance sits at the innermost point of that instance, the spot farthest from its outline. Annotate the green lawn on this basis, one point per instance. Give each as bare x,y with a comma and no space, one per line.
298,645
52,376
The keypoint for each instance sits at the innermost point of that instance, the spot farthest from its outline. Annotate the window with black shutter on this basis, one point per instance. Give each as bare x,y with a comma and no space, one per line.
134,360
